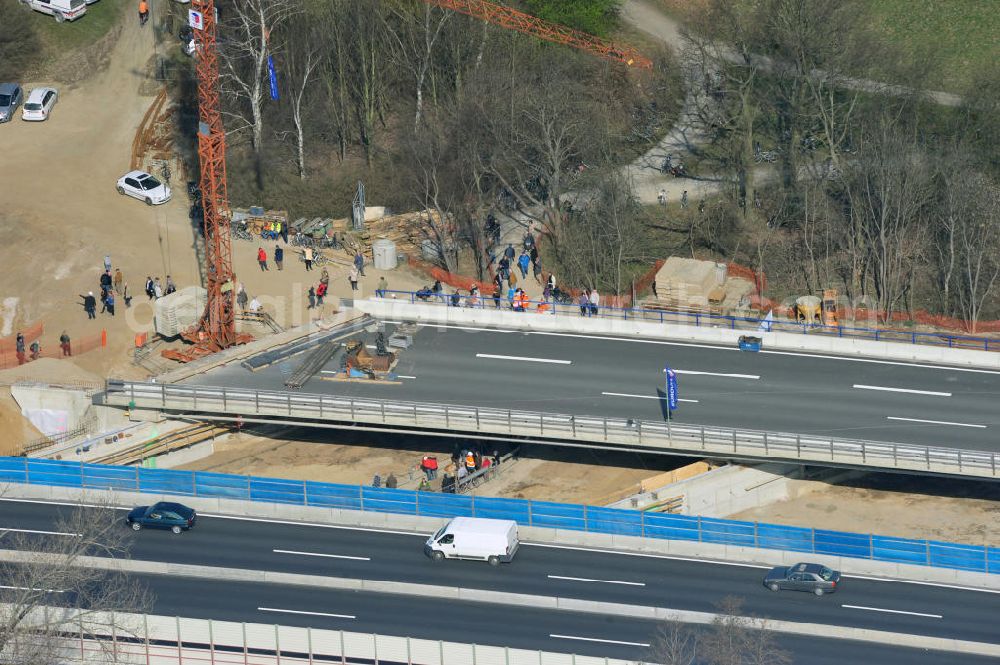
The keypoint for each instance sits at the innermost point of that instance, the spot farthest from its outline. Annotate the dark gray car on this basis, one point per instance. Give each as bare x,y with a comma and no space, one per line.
812,577
10,99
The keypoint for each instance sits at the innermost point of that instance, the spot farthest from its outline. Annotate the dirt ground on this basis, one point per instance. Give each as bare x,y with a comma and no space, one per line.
566,475
962,511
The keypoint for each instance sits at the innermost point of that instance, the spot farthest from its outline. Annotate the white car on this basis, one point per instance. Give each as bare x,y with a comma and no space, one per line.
39,104
141,185
62,10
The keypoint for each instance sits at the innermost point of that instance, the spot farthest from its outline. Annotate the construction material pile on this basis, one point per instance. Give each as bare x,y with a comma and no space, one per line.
690,285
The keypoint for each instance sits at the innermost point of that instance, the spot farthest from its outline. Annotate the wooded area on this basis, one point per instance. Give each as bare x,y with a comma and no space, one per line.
831,179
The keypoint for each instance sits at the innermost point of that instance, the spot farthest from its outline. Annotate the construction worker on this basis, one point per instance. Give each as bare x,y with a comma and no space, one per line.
65,344
143,12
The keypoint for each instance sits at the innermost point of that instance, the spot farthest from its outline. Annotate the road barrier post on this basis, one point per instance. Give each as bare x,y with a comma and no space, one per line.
642,523
586,520
256,402
224,407
765,444
477,419
927,454
927,552
382,404
798,446
288,400
531,512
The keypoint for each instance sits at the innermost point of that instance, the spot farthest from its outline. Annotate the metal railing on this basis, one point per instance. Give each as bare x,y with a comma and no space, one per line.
145,639
486,301
527,512
623,433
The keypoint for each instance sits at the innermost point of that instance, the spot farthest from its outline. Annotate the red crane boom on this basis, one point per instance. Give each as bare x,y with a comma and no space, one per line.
512,19
217,328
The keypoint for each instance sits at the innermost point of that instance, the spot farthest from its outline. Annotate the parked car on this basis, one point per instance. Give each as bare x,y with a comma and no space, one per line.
10,99
143,186
812,577
39,104
61,10
163,515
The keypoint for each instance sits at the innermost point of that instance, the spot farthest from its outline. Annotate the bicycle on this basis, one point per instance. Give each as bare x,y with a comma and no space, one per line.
240,232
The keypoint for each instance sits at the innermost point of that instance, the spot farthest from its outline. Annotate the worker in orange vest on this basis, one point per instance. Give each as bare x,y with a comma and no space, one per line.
143,12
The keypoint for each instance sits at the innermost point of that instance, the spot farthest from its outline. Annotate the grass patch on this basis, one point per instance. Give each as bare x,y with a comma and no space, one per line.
961,35
83,32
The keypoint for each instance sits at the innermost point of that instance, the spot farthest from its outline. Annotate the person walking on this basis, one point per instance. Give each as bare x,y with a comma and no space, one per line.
684,199
242,298
19,349
533,255
320,292
109,304
497,295
106,279
107,263
104,299
149,287
359,263
125,296
537,270
171,287
509,253
312,297
307,255
279,257
391,482
584,302
262,259
118,281
64,344
551,282
90,305
522,263
353,278
157,289
661,197
595,301
324,276
383,286
143,12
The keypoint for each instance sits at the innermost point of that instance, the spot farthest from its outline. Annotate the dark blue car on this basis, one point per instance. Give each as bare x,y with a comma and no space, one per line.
162,515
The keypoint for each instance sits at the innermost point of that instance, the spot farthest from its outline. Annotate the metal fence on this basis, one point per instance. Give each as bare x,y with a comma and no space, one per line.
527,512
623,433
710,320
136,639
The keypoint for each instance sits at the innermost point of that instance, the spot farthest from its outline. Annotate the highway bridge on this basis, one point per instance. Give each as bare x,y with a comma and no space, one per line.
602,390
247,552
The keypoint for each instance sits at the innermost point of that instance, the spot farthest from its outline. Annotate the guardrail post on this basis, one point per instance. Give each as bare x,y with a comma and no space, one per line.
256,401
798,446
351,402
642,523
321,408
927,550
927,454
812,537
138,485
586,522
638,430
572,424
361,498
734,441
765,444
605,421
382,405
447,419
288,400
756,540
477,419
224,400
530,513
510,427
699,528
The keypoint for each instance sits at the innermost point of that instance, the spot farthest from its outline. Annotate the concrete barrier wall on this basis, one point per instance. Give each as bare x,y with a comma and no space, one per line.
423,526
394,310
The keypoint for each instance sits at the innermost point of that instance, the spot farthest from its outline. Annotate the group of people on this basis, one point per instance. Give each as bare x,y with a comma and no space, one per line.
111,285
279,258
35,349
155,290
317,292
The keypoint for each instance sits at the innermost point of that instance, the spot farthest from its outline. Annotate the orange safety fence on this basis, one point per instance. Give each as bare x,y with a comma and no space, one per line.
31,333
449,278
53,349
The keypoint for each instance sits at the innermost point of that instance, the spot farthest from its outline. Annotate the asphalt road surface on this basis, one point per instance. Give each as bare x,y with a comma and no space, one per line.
911,608
720,386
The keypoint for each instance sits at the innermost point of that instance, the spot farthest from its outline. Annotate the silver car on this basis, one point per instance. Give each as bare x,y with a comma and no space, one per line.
10,99
811,577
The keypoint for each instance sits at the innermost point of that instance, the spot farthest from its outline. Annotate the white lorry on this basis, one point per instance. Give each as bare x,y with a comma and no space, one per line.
494,541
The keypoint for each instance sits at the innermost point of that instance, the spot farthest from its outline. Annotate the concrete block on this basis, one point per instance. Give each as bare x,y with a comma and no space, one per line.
614,609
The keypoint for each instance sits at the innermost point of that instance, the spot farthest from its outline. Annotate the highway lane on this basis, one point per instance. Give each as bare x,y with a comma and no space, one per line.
603,376
574,573
466,622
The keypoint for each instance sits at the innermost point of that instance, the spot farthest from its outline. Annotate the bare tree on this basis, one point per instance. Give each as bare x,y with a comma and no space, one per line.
248,27
48,574
978,240
674,644
302,59
735,639
419,31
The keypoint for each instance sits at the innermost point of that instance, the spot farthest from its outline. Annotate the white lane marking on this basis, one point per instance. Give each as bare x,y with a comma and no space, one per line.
25,588
594,639
405,376
728,376
918,582
880,609
4,530
312,614
587,579
679,399
523,359
328,556
643,555
861,386
822,356
438,325
936,422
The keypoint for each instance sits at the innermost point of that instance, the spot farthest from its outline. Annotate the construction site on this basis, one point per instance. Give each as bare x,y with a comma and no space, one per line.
272,329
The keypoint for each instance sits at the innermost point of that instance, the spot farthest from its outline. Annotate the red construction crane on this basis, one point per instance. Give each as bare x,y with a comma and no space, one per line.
216,330
512,19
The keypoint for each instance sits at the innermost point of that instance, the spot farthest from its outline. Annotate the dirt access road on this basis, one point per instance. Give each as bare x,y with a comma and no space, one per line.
62,215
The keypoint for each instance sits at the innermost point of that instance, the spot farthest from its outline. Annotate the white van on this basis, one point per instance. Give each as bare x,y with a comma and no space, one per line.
494,541
62,10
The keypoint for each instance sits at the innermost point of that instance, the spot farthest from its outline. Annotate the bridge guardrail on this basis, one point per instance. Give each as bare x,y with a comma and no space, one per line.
527,512
697,319
624,433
